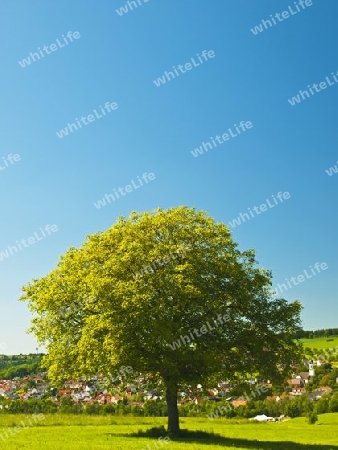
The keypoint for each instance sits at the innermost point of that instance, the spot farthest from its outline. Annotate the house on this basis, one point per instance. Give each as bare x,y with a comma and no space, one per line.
320,362
295,383
239,402
223,385
305,376
213,392
7,385
151,395
319,393
90,388
326,389
103,399
273,398
11,395
34,393
81,396
298,391
24,396
116,398
64,392
73,385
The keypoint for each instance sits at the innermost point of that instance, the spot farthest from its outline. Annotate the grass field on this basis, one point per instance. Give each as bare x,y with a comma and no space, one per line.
62,432
321,343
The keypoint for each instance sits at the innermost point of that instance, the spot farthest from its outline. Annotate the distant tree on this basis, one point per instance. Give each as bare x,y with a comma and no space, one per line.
324,381
292,408
31,384
308,351
66,401
333,405
99,309
322,405
312,417
109,409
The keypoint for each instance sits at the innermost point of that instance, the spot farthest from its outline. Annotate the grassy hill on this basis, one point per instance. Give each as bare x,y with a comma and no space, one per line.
321,345
19,365
321,342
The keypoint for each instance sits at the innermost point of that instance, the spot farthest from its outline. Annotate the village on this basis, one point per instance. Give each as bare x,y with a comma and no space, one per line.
133,392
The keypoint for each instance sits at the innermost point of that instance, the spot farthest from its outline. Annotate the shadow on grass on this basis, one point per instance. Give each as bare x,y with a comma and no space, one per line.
203,437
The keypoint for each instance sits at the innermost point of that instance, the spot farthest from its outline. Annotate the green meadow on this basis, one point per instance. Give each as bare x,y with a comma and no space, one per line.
321,343
62,432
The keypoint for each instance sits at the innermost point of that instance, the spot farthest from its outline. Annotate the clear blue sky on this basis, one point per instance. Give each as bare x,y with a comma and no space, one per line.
155,129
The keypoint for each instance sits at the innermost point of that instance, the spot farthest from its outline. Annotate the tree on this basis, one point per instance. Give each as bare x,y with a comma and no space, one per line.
312,417
324,381
333,405
322,405
168,293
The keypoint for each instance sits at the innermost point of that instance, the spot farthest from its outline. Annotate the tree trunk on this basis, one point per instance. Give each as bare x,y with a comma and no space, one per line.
171,398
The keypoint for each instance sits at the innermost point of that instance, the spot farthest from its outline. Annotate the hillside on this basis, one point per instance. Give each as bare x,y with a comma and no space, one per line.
12,366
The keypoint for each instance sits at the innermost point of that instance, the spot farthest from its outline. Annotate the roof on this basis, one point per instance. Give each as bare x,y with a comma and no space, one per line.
304,375
239,402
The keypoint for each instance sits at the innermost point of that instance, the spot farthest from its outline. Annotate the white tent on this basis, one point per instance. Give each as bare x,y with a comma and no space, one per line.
262,418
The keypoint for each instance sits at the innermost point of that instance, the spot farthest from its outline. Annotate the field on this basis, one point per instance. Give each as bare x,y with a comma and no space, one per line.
321,343
63,432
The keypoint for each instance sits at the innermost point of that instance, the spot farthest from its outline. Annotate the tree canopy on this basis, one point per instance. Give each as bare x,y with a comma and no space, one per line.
166,292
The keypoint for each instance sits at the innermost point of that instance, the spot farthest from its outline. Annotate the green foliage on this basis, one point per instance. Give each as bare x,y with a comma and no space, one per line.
312,417
7,361
291,407
322,405
100,309
324,376
333,405
155,408
19,366
326,332
76,305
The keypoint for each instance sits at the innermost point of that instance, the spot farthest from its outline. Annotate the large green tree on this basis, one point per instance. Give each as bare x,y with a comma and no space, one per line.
167,293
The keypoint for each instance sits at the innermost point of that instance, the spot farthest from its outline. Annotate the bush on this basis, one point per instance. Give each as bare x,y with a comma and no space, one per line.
312,418
322,405
333,406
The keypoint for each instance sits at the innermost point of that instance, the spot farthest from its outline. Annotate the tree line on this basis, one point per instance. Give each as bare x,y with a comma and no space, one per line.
291,407
310,334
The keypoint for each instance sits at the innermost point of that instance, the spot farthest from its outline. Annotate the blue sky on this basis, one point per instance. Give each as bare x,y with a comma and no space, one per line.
115,59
